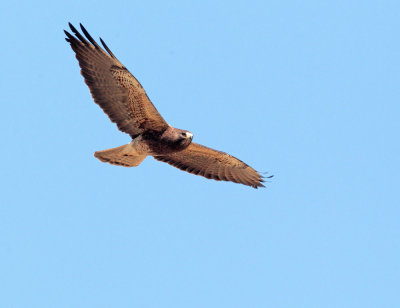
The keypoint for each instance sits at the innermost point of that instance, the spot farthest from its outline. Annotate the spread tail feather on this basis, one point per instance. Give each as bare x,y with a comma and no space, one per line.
124,155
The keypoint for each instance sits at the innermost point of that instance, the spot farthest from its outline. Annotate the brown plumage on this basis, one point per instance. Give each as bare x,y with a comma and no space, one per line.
126,103
212,164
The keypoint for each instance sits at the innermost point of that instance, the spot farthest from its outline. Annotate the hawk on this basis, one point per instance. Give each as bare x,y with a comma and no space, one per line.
126,103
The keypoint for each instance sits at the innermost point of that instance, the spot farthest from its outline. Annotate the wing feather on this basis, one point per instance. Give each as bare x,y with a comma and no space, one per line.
113,87
213,164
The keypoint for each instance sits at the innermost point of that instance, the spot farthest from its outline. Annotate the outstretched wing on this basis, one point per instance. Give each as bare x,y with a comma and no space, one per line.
213,164
113,87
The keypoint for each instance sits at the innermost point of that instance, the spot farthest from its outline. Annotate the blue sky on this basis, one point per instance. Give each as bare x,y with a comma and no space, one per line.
306,90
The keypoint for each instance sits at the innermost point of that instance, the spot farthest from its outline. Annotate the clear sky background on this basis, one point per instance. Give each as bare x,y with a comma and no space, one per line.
306,90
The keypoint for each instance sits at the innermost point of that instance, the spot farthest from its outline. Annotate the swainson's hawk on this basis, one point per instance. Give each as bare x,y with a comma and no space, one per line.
126,103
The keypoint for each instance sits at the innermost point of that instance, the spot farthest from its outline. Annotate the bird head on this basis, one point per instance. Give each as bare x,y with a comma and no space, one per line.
177,139
184,134
184,138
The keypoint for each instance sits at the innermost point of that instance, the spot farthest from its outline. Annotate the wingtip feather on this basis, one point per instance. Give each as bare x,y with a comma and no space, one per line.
88,36
106,48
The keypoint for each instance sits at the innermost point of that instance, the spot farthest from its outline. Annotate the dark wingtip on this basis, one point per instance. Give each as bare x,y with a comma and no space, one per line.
106,48
73,29
259,185
69,36
89,37
78,35
262,177
66,33
266,177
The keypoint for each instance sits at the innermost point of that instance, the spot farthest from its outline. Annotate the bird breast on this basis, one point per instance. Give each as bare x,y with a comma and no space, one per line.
159,146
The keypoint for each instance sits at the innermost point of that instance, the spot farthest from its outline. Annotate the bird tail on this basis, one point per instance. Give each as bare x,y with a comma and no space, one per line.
124,155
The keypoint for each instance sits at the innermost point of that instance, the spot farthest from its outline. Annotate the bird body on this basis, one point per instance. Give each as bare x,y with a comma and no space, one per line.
132,154
124,100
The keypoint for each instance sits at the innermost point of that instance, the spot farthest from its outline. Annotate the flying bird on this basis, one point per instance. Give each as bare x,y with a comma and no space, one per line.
126,103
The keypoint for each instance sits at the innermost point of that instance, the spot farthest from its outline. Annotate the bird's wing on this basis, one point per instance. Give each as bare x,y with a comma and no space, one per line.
213,164
113,87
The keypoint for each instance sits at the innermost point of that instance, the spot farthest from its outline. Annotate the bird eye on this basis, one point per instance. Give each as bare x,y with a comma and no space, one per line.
183,134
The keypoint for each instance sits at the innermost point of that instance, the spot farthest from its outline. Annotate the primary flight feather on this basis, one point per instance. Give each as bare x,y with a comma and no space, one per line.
126,103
